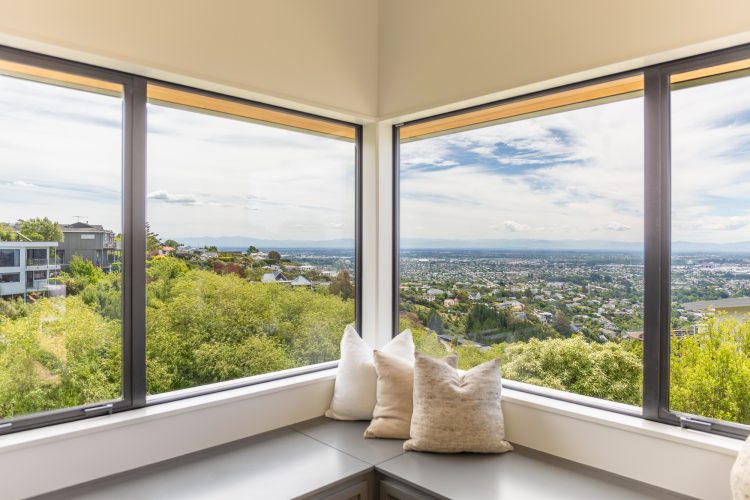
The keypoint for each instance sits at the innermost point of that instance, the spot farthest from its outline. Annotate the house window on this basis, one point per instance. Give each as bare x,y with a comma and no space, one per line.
252,225
10,278
10,257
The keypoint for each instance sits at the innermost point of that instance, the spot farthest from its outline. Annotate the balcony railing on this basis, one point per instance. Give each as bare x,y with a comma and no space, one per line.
37,285
37,262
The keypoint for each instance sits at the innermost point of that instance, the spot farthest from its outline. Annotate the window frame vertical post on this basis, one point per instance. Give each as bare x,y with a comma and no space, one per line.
657,252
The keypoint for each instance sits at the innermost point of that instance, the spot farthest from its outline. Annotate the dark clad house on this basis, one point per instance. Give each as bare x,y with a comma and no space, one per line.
91,242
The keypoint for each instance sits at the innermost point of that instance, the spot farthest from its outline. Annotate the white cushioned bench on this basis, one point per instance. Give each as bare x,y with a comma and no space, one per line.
325,459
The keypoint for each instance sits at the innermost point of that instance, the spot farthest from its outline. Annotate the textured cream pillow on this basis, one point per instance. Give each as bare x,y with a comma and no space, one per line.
456,412
392,415
354,389
740,479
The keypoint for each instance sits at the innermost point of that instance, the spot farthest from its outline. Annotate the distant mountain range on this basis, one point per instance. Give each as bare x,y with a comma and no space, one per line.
242,242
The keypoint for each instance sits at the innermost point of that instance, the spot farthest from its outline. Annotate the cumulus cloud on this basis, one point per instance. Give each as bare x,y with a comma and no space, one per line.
513,226
166,196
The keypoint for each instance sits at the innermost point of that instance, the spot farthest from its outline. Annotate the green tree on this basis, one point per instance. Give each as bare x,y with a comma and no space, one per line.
710,371
7,233
342,285
39,229
153,244
252,249
172,243
274,255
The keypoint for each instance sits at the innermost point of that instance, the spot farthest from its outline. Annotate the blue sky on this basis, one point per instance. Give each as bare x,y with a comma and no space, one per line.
579,174
60,157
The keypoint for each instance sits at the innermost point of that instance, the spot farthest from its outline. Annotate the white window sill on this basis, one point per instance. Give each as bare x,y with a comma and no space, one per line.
104,423
686,437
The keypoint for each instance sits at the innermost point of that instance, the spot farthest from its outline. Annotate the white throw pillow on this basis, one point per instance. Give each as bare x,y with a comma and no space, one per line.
741,474
356,379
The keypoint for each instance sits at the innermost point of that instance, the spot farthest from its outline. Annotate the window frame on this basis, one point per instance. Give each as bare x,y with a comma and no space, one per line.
134,200
657,241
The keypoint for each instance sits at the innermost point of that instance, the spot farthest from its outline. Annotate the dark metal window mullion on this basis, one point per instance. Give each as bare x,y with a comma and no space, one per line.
134,246
657,241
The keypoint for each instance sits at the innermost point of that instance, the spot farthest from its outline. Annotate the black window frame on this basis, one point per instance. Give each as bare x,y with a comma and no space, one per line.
657,241
134,199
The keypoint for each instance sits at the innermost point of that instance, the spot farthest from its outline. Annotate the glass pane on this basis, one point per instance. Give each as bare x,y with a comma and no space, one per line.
61,194
710,343
250,246
524,241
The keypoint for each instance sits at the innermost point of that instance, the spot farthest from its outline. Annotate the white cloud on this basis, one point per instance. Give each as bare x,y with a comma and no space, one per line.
513,226
182,199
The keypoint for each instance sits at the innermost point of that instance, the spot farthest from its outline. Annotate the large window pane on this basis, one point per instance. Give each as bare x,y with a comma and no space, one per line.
524,240
251,240
710,343
60,172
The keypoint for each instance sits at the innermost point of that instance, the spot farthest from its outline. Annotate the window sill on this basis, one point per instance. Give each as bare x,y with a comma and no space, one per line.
70,430
629,423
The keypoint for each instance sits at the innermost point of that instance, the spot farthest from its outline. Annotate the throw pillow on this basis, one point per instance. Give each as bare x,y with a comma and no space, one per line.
741,474
354,389
456,412
391,418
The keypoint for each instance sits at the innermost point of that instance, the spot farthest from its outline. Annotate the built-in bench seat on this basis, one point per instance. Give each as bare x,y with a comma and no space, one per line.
325,459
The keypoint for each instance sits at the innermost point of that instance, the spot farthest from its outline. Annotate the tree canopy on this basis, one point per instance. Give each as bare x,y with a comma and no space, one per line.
41,229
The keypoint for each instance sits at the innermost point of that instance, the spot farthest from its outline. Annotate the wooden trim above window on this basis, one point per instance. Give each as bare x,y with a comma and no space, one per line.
577,96
173,97
61,78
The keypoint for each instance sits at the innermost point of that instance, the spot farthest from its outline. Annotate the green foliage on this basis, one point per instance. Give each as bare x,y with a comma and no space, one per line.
7,233
41,229
153,244
342,285
61,354
710,371
274,255
252,249
599,370
172,243
204,315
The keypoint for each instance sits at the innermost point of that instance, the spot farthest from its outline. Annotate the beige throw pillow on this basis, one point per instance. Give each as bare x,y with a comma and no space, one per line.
457,412
392,415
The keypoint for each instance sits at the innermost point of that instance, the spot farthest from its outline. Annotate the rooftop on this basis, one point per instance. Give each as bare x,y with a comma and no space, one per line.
704,305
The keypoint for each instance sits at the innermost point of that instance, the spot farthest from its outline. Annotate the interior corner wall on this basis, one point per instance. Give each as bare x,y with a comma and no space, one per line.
438,52
321,53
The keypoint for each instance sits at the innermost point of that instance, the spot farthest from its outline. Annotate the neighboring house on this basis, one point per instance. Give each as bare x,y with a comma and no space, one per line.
737,308
450,302
275,277
301,281
90,242
475,296
27,266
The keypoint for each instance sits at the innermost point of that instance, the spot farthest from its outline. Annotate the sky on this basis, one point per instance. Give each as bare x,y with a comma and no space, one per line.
571,175
207,176
578,175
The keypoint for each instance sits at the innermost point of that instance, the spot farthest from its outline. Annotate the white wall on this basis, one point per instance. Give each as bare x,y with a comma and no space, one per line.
437,52
321,53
